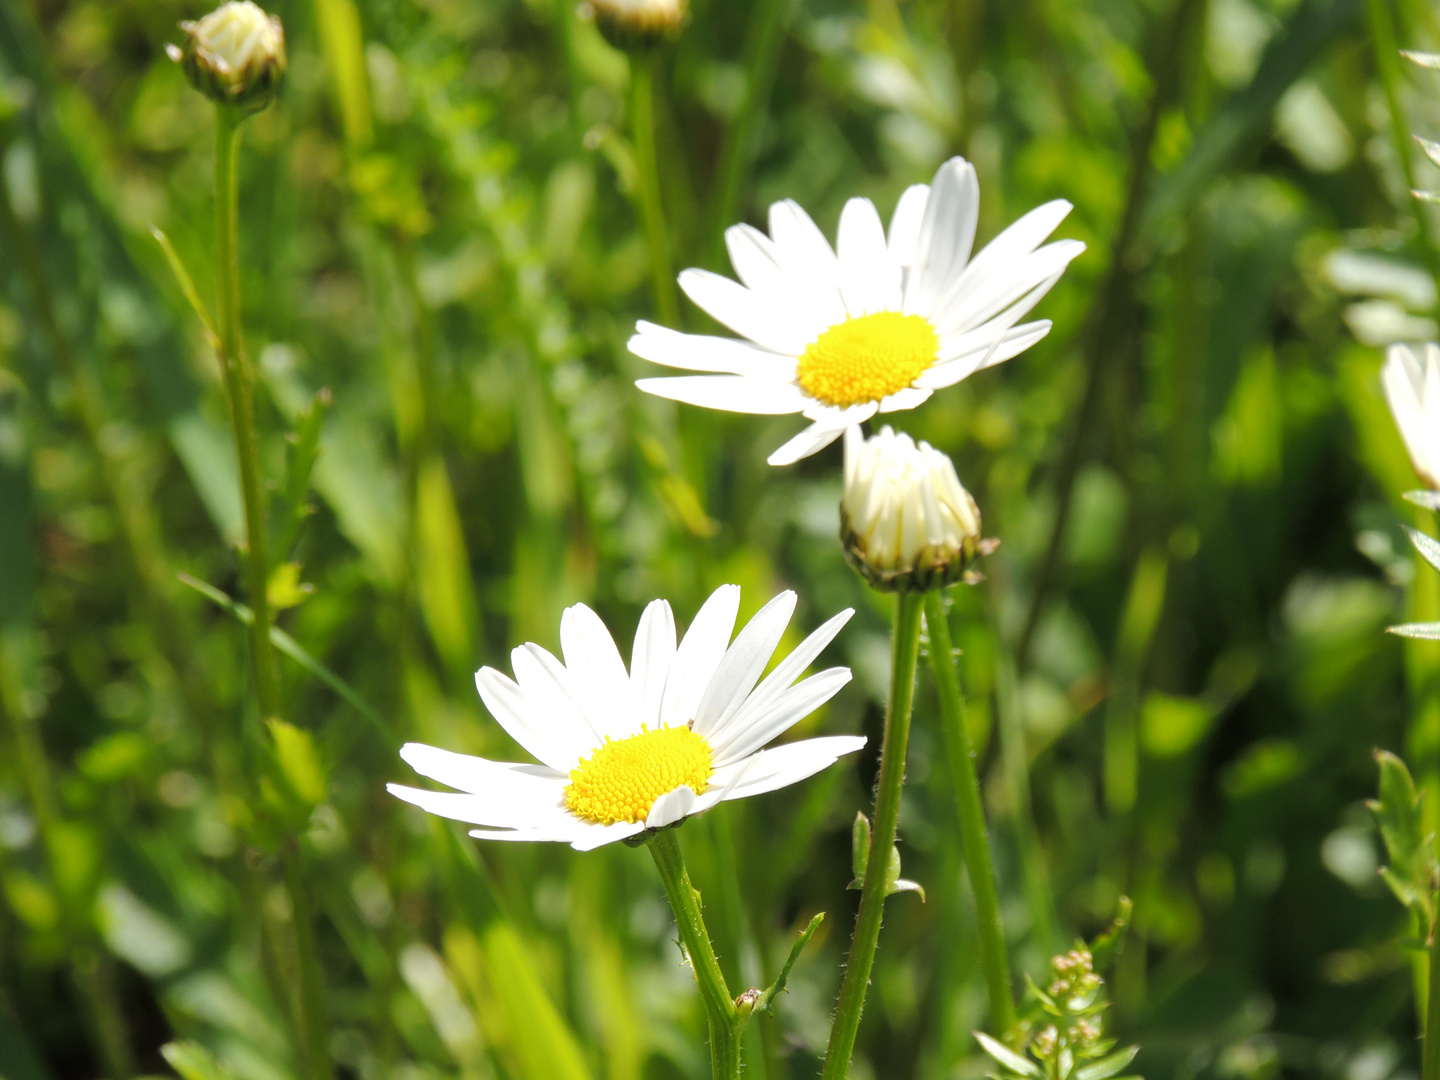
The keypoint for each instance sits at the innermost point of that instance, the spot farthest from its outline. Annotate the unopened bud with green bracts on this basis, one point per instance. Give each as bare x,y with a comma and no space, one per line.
906,521
632,24
235,56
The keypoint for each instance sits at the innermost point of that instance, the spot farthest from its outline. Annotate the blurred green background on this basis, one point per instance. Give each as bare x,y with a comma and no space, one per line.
1176,667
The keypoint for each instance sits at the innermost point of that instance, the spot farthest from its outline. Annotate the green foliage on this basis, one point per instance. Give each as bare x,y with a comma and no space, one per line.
1413,872
1063,1024
439,225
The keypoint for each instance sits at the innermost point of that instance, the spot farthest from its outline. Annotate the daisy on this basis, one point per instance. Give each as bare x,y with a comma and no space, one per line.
622,752
876,325
1412,386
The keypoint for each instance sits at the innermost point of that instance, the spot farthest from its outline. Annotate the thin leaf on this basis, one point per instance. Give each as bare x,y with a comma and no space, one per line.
1430,500
767,999
187,286
1426,545
1429,631
1107,1066
293,649
1432,149
1007,1057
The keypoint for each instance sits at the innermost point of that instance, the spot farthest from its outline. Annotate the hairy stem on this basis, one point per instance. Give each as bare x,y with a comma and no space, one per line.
720,1012
904,652
974,840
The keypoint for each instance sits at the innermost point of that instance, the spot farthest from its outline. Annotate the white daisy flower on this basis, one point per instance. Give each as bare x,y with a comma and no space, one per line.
906,521
875,325
624,752
1412,386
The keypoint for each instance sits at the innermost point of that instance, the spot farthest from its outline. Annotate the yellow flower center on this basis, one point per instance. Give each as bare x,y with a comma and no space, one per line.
867,357
622,779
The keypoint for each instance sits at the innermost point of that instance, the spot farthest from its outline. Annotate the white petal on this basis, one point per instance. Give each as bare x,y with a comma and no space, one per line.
781,766
909,398
671,807
947,232
597,673
1004,289
699,655
516,808
812,440
594,836
473,774
838,418
742,666
905,224
801,248
748,314
557,739
1010,344
552,695
730,393
1015,242
869,281
650,660
794,665
787,710
697,352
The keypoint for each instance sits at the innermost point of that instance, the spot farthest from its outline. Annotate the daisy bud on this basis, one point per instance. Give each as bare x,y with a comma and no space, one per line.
234,56
1412,386
629,24
906,522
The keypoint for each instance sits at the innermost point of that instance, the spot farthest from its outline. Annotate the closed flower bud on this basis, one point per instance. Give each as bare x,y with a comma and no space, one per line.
234,56
629,24
906,522
1412,386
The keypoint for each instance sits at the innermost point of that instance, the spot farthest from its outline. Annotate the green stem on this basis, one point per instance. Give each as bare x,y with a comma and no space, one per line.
652,210
974,840
312,998
1014,759
725,1022
1430,1056
741,142
239,386
1387,64
904,652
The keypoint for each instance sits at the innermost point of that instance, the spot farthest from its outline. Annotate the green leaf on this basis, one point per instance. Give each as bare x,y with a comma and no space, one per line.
442,570
1106,948
299,762
193,1062
1425,545
285,589
1430,500
1426,631
293,649
292,508
1007,1057
767,999
859,849
187,286
1107,1066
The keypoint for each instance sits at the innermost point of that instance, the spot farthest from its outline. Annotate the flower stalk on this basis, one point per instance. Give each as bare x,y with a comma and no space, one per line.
239,386
723,1018
652,209
974,839
904,655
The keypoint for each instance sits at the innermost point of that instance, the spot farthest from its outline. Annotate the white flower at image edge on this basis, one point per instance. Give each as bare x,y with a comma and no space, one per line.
875,325
1412,386
621,752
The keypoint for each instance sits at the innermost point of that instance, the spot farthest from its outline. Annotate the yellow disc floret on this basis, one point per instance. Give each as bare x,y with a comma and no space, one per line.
622,779
867,357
